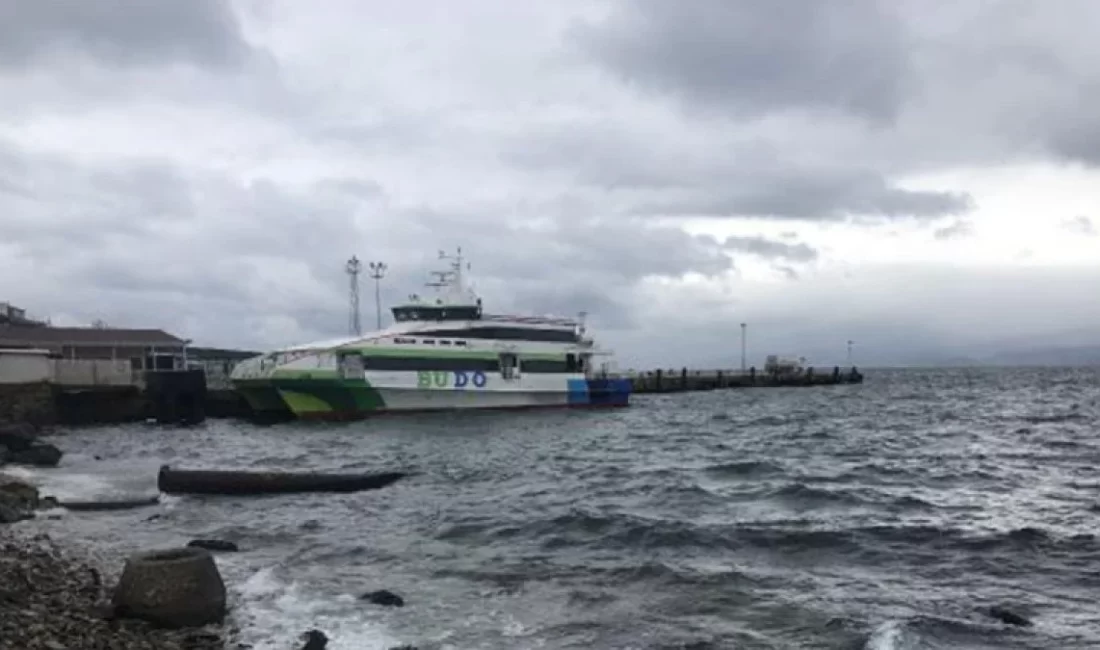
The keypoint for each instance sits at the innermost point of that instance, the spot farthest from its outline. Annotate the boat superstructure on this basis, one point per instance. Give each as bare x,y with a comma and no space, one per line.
442,352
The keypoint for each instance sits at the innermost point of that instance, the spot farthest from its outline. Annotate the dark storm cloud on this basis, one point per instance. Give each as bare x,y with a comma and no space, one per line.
122,32
656,178
751,58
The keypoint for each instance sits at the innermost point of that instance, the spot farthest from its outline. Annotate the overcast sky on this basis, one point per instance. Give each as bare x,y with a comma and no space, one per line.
919,176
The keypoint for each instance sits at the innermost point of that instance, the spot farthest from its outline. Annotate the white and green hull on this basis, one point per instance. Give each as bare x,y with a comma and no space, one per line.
314,387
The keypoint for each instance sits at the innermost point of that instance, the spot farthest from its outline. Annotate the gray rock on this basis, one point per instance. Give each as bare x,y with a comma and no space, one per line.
17,436
18,494
1008,615
172,588
315,640
384,598
10,515
38,454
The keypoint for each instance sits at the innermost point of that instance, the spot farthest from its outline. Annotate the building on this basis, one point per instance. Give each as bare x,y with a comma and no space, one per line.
145,349
12,315
217,363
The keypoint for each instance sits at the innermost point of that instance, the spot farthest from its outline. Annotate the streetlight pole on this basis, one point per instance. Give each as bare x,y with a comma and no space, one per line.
377,271
743,325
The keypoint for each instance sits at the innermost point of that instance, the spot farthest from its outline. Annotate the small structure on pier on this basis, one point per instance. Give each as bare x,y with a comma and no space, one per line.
123,350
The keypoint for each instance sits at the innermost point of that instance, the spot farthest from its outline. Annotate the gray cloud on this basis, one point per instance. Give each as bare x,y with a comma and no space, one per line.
822,194
772,249
724,179
956,230
187,177
751,58
122,32
1080,225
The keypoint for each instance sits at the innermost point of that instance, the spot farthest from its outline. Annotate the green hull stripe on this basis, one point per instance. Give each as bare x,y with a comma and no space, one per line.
313,396
304,402
261,396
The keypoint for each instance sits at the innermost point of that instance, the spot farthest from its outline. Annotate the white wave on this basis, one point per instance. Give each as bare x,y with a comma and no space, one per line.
272,615
887,636
91,481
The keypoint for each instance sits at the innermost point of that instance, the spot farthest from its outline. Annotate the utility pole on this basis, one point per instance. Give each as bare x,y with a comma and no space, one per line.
743,348
352,268
377,271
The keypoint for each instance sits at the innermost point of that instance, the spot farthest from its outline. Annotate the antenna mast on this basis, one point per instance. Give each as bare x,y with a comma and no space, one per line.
456,269
353,268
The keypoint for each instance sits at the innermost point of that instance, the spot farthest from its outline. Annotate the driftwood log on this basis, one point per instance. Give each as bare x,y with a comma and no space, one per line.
183,481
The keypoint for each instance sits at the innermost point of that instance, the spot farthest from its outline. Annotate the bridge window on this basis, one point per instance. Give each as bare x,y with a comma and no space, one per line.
430,363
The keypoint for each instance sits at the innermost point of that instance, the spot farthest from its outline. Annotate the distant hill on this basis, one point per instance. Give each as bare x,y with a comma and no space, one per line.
1076,355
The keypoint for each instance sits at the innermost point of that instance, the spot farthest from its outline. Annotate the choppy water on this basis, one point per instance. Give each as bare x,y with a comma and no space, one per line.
881,516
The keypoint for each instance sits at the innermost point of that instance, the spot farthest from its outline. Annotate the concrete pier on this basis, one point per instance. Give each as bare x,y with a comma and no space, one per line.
685,379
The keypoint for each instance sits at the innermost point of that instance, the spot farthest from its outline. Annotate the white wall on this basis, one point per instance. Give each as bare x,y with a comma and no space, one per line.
93,372
24,366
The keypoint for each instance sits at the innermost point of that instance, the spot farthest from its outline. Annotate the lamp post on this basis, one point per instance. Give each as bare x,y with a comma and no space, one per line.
377,271
352,268
743,326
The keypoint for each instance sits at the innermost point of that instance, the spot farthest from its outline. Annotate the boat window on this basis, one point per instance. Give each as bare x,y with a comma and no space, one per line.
510,334
543,365
436,313
430,363
571,363
508,365
350,365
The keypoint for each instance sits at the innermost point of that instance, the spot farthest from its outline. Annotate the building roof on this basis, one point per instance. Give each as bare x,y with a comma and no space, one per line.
220,354
16,336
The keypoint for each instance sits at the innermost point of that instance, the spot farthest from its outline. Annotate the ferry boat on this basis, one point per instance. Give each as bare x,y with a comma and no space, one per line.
441,353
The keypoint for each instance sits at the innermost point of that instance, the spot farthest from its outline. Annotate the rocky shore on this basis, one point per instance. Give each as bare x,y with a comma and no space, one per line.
57,595
53,599
53,596
19,443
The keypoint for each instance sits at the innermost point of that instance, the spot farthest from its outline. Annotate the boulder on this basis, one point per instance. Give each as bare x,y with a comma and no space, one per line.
315,640
17,436
10,515
39,454
1008,615
171,588
17,500
384,598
